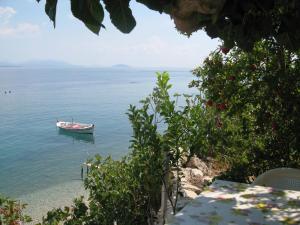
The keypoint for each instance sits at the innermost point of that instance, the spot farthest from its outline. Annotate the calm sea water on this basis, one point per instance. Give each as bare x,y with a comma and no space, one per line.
34,155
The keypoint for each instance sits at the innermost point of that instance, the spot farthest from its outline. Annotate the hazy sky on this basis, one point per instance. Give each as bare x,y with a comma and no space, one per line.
27,34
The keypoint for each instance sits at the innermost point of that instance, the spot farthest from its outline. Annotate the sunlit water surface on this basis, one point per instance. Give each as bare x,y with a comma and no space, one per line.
36,160
34,155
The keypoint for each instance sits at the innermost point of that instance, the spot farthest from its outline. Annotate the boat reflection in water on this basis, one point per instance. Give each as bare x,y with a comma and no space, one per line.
87,138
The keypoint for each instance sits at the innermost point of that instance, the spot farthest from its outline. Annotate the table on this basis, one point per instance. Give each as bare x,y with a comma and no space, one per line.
233,203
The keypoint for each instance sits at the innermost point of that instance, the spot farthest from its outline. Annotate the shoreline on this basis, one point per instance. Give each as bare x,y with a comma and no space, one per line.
40,202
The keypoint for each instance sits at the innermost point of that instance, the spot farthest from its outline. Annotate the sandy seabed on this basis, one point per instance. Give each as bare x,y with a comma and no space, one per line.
40,202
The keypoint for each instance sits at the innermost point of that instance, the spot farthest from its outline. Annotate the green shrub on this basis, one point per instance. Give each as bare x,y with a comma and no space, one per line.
256,98
127,191
11,212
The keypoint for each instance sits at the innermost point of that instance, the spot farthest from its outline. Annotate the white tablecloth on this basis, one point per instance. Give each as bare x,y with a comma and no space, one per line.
231,203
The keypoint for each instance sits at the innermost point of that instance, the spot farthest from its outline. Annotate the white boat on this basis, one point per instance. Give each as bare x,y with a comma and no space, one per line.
76,127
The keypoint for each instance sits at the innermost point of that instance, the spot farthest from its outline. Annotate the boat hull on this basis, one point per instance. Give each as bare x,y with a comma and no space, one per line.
76,127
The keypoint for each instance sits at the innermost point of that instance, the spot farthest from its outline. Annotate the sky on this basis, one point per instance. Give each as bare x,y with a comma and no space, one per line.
26,34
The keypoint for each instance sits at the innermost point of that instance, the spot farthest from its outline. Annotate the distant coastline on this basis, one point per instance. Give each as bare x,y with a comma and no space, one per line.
9,66
61,64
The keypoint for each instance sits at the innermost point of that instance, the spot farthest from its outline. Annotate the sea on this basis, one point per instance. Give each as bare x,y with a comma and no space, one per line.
40,165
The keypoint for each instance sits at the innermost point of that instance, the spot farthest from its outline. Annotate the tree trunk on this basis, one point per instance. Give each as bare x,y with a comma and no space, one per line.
164,192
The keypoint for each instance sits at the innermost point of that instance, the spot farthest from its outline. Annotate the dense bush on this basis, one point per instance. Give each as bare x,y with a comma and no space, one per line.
116,194
256,101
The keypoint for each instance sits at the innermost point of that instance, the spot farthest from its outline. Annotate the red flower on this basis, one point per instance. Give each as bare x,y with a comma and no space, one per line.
232,78
274,126
225,50
253,67
221,106
209,103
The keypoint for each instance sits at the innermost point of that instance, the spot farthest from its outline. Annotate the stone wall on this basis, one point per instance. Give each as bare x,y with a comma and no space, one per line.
194,175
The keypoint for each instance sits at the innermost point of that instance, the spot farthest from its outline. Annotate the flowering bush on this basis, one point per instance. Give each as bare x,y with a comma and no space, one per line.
256,101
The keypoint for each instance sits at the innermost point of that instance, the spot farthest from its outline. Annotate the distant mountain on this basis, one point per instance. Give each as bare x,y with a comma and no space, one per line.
6,64
121,66
46,63
38,64
62,64
165,68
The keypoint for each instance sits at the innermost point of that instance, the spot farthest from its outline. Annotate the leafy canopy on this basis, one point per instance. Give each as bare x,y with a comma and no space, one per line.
236,22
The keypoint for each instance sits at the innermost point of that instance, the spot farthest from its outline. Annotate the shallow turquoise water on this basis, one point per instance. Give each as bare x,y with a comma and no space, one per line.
34,155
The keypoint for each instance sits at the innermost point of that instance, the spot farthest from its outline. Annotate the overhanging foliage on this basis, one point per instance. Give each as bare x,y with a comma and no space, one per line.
236,22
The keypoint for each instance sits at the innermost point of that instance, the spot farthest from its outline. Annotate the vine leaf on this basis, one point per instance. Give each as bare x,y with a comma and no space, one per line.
153,4
120,14
90,12
50,9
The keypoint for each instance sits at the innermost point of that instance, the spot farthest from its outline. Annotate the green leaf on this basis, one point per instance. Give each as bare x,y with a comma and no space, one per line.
158,5
120,14
90,12
153,4
50,9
